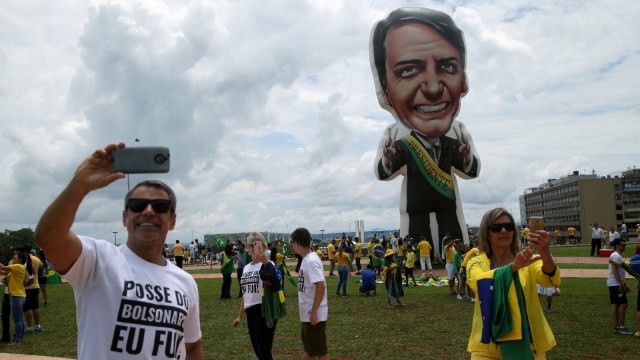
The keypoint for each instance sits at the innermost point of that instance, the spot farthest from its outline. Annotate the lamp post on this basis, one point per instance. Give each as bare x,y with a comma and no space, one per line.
322,235
115,233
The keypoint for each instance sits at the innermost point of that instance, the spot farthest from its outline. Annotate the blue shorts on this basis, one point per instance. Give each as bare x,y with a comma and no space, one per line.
32,301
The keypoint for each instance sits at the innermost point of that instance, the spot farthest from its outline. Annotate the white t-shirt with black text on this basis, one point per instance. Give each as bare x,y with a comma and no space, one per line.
251,284
129,308
311,272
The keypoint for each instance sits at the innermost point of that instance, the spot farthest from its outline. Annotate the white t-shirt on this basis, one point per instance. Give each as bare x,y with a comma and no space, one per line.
596,233
251,284
311,272
129,308
394,244
611,280
613,235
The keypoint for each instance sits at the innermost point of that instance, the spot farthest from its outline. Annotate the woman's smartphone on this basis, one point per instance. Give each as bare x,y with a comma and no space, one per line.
536,223
258,247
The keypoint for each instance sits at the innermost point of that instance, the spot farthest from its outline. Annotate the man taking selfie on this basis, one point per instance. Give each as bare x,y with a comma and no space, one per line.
131,303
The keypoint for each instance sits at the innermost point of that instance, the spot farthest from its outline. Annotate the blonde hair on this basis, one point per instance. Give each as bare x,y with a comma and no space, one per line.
484,235
255,236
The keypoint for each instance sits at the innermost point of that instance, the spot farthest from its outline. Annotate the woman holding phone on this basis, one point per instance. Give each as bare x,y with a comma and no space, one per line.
18,270
508,322
260,273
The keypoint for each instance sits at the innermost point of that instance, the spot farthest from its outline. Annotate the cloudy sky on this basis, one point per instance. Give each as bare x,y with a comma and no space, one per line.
270,112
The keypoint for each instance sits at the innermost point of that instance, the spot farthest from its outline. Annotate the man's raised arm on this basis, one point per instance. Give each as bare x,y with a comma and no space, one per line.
53,232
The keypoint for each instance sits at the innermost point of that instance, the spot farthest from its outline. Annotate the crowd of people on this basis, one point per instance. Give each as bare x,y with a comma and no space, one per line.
109,282
25,281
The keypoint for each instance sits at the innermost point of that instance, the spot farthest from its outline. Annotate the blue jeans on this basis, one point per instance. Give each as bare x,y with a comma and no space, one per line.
343,272
16,310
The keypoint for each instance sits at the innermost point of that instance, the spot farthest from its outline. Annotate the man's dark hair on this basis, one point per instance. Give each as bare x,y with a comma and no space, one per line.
158,185
439,21
302,237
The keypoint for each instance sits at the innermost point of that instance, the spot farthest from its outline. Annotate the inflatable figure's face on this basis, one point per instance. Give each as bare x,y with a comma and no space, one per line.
425,78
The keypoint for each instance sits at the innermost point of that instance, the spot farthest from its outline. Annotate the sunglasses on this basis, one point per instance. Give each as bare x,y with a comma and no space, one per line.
160,206
496,228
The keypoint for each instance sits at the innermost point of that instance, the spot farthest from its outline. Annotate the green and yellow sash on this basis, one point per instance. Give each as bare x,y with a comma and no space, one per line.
438,179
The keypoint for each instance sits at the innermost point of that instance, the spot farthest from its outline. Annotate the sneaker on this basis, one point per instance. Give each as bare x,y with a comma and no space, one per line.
39,328
548,310
473,299
28,330
624,331
459,297
637,334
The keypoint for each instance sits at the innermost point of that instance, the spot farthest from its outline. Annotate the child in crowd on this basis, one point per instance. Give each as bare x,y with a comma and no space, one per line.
408,268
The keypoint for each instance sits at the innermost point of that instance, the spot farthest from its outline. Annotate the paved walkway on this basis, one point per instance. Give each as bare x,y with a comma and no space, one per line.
566,273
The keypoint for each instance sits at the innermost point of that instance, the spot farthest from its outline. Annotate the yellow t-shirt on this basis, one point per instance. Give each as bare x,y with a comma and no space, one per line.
358,252
370,248
425,248
525,232
36,264
331,251
342,260
389,271
411,258
279,259
16,280
449,252
177,250
571,231
319,252
401,250
470,255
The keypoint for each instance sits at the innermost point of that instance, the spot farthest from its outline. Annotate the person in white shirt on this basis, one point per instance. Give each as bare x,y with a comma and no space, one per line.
312,297
129,292
254,276
613,235
596,239
617,287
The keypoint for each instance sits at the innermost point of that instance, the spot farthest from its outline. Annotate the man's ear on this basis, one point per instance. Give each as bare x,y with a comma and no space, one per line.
172,221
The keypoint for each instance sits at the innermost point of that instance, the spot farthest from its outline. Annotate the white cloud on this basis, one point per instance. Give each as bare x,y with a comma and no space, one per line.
271,114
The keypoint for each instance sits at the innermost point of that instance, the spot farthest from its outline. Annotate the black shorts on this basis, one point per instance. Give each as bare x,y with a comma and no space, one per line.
314,338
32,301
42,280
615,297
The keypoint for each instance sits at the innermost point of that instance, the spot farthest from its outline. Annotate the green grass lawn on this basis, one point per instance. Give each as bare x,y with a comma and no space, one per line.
432,325
584,250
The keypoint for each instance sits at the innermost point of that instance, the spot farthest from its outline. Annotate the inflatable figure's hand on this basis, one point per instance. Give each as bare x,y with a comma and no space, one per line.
463,142
389,150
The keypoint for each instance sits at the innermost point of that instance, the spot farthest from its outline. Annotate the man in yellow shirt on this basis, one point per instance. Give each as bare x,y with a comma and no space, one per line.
331,254
425,255
370,250
178,253
523,236
572,235
32,301
357,253
449,252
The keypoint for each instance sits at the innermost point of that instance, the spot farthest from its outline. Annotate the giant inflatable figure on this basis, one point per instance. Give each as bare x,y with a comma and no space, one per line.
418,60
